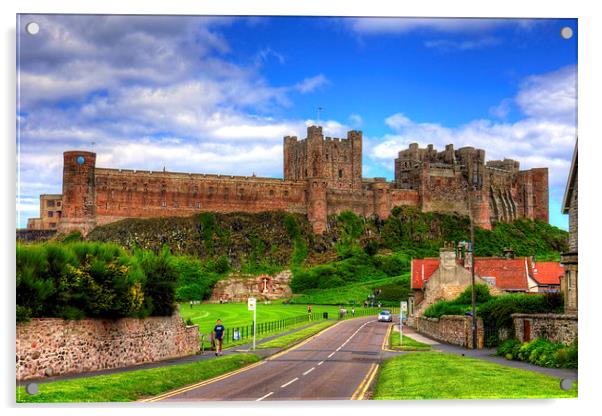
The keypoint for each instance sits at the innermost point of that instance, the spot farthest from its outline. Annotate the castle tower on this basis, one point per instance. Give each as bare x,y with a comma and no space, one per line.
79,192
382,199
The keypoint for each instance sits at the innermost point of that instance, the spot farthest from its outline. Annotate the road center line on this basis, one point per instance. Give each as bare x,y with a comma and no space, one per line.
331,354
290,382
264,397
339,349
321,362
309,371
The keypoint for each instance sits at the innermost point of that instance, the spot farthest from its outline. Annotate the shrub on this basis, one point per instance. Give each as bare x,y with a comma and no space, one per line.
540,352
438,309
498,310
481,292
90,279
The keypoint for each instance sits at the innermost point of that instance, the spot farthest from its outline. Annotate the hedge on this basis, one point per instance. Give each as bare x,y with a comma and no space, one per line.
76,279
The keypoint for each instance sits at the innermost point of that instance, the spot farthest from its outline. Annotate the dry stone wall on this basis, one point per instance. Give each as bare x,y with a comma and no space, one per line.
553,327
54,346
451,329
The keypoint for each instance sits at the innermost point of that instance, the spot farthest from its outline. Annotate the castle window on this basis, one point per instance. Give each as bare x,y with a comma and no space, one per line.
49,203
286,194
241,193
164,204
145,187
58,203
340,173
52,225
198,204
125,186
271,192
226,193
175,204
50,214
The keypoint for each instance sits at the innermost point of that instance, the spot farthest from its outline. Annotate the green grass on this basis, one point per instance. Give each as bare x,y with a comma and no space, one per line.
291,339
134,385
434,375
236,314
341,295
408,344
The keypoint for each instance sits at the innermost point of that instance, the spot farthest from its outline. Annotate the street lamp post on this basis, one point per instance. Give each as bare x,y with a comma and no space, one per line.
472,275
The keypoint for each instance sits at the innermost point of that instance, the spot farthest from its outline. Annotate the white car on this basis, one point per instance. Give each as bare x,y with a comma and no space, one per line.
385,316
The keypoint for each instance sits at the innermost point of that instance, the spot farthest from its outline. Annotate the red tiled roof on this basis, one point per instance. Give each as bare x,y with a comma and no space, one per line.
510,274
547,272
422,269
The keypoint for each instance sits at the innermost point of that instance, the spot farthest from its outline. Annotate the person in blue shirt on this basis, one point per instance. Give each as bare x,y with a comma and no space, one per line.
218,336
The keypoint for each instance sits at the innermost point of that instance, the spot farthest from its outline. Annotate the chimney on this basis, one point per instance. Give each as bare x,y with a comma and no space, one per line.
447,256
508,253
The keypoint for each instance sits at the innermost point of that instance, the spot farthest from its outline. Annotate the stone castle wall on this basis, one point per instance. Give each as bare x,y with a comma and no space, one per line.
54,346
322,176
553,327
452,329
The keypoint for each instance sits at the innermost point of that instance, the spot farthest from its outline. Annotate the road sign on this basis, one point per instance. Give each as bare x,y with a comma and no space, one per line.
251,303
404,306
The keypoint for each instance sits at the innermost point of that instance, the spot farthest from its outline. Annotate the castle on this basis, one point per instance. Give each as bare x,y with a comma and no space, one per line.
322,176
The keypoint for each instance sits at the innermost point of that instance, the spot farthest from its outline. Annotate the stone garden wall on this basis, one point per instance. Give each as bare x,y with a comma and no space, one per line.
54,346
553,327
452,329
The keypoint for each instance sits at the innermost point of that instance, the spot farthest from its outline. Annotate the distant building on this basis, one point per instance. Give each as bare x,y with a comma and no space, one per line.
444,278
51,210
570,258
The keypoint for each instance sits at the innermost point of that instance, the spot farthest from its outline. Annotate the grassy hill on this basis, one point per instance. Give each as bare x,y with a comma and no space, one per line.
354,256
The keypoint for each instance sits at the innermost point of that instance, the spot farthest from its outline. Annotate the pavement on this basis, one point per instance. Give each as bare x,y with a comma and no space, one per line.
340,363
488,354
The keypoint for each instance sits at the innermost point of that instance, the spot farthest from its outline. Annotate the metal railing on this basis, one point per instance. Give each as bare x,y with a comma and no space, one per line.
239,333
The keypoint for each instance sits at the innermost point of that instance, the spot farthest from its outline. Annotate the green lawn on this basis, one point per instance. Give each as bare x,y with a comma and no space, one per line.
290,339
408,344
134,385
356,292
236,314
434,375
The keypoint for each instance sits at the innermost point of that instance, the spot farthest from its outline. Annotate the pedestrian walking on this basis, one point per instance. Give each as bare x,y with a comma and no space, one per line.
353,311
218,336
309,312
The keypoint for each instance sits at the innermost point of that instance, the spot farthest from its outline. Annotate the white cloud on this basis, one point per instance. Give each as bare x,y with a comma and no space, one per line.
401,25
448,45
356,120
502,109
311,84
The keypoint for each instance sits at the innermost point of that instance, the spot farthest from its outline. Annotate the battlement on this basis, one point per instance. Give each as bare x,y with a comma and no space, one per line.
322,176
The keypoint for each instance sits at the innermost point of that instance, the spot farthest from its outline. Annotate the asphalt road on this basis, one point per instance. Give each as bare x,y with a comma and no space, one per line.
337,364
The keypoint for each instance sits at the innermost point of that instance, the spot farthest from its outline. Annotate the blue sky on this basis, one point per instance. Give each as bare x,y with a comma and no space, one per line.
216,95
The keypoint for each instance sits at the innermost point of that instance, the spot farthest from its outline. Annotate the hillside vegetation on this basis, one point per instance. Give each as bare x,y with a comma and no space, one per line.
356,256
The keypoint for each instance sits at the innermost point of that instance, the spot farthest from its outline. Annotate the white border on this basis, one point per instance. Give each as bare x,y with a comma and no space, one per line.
590,71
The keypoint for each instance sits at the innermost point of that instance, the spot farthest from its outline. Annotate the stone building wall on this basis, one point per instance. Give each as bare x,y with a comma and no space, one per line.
553,327
54,346
451,329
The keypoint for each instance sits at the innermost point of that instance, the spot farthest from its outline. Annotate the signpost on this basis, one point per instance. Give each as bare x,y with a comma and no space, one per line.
252,305
403,307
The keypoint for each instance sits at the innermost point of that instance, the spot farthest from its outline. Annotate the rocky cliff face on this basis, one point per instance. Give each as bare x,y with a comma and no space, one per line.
238,288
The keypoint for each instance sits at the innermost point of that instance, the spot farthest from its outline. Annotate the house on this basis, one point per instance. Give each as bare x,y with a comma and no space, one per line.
444,278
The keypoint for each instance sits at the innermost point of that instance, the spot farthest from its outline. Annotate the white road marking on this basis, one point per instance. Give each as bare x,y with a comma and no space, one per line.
321,362
339,349
266,396
290,382
331,354
309,371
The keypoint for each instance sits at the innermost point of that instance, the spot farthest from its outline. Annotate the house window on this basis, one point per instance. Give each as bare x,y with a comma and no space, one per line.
49,203
50,214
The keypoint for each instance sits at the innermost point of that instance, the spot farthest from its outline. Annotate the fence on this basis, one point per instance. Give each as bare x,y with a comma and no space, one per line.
239,333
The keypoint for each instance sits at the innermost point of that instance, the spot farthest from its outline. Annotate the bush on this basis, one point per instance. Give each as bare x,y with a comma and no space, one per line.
90,279
540,352
498,310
